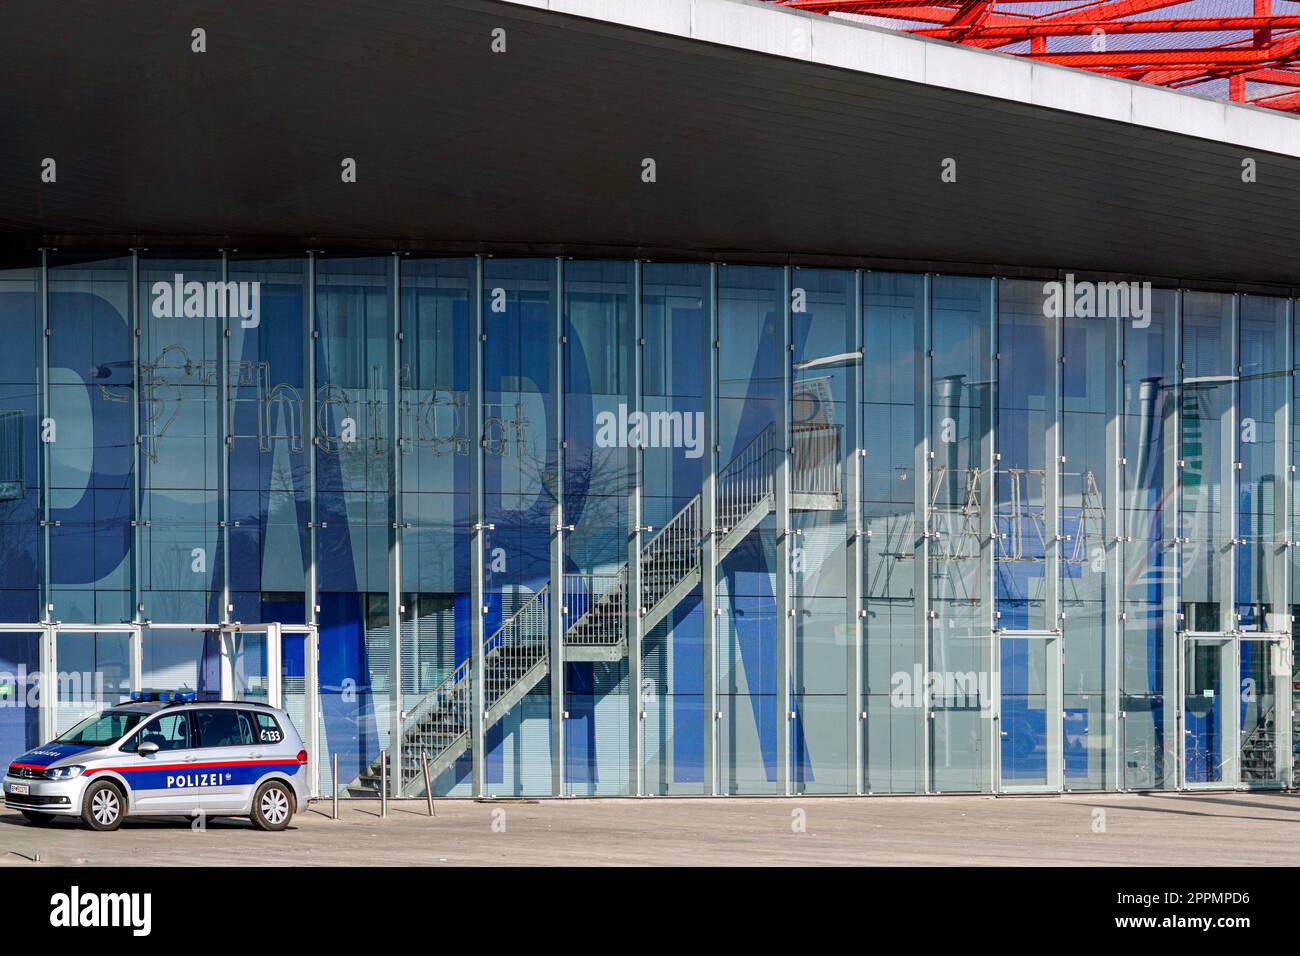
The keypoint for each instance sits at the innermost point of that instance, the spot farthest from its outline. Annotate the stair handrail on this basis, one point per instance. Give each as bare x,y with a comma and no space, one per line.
614,597
417,713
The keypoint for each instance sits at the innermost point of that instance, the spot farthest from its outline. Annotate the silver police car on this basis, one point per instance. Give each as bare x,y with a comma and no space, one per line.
165,753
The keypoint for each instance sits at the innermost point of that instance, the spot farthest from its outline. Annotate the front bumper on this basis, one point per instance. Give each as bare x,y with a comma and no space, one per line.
61,797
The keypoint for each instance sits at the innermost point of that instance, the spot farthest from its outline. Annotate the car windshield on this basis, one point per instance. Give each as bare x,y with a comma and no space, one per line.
102,728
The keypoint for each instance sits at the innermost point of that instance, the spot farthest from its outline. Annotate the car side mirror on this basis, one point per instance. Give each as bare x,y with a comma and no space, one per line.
147,749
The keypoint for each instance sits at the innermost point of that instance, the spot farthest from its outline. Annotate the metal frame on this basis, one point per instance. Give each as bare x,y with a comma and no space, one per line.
1271,56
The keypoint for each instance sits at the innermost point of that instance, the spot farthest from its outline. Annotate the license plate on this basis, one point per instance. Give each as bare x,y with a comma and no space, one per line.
19,788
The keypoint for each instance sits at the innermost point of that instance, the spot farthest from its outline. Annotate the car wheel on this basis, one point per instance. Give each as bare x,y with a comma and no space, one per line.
272,806
38,818
103,807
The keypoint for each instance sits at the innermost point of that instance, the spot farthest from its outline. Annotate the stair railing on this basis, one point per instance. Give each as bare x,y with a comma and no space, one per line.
748,478
595,607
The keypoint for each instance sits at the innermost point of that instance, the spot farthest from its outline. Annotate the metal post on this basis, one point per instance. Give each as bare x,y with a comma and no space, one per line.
856,542
223,472
477,535
428,789
396,610
334,776
987,458
785,532
555,607
1055,612
708,543
137,518
1283,710
46,715
635,520
1170,613
1113,621
383,783
925,624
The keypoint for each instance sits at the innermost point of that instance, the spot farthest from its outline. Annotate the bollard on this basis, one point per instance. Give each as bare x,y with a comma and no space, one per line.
336,786
383,784
428,791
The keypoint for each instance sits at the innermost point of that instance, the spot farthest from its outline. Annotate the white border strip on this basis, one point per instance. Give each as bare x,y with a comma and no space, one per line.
780,31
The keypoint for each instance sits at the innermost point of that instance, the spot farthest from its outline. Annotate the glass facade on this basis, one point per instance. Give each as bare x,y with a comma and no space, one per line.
543,527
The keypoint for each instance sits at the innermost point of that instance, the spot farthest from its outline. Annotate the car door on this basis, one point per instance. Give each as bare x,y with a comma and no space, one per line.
222,762
160,782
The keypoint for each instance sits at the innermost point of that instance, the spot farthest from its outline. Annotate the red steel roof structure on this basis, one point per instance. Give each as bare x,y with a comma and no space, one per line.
1247,51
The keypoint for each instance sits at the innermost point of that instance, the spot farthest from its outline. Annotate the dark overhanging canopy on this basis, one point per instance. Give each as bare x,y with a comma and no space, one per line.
539,150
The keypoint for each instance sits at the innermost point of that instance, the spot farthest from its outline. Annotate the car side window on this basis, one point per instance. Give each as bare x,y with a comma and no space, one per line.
268,729
218,728
168,731
246,732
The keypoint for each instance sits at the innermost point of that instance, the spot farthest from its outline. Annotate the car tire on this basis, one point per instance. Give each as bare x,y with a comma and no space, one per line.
103,807
38,818
272,806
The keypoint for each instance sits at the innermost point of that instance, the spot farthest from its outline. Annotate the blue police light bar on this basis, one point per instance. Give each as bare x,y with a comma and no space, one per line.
164,696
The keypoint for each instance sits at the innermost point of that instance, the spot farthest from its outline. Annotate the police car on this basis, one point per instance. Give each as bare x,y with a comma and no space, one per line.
165,753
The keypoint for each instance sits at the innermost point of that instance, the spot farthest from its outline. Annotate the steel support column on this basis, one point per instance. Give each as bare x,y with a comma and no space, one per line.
856,542
556,611
635,521
1112,542
1055,616
923,371
477,531
223,473
137,518
396,610
709,541
310,442
785,535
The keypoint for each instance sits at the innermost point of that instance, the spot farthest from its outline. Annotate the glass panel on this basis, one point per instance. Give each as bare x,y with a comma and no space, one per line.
893,655
1209,381
20,694
1204,712
519,459
181,447
1265,383
355,322
92,408
675,325
822,317
1026,373
249,666
1087,406
181,659
1259,713
269,435
751,314
1150,583
437,444
21,566
91,672
597,359
1024,735
959,524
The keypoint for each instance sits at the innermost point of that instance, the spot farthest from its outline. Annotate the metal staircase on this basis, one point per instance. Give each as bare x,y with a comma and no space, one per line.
516,655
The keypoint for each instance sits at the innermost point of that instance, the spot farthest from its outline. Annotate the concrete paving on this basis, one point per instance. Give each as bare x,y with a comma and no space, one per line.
1160,830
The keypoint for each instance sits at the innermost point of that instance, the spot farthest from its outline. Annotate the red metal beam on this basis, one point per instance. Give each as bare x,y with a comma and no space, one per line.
1269,48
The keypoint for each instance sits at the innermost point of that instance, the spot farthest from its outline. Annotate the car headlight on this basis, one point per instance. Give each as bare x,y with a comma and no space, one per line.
63,773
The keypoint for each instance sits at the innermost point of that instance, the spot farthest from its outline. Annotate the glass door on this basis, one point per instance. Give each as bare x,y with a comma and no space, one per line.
251,663
1029,716
1208,703
1264,731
